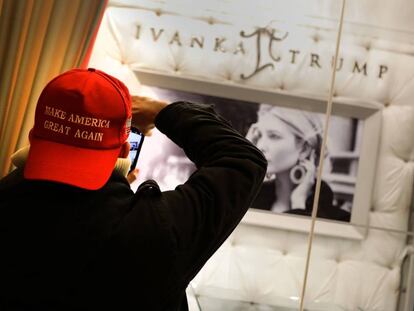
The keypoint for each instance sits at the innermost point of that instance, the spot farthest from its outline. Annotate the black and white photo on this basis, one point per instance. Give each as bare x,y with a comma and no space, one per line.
290,139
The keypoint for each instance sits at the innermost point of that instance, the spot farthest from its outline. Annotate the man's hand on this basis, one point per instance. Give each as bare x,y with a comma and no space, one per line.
144,112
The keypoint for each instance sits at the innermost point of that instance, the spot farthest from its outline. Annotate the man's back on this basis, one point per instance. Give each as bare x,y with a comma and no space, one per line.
68,248
62,247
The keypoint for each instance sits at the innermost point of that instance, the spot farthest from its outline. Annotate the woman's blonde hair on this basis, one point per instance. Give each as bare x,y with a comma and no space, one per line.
306,126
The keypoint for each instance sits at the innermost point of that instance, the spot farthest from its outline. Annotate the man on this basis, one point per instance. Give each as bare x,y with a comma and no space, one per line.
74,236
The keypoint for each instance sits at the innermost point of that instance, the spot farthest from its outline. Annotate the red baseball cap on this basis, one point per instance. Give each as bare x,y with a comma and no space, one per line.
82,119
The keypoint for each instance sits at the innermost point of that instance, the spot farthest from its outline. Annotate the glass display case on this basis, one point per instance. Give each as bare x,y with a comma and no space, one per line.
354,72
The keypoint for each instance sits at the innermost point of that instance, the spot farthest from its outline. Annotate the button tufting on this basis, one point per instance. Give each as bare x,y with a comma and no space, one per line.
158,12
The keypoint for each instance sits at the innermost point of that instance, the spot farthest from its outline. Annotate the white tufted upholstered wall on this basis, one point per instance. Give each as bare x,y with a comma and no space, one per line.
266,265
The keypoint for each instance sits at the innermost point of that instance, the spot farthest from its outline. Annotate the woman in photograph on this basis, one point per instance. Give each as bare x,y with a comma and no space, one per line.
291,142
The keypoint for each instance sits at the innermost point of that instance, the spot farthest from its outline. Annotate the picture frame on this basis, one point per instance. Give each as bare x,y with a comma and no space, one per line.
368,113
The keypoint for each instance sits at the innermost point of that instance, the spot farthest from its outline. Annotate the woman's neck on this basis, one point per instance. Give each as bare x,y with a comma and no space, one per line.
283,191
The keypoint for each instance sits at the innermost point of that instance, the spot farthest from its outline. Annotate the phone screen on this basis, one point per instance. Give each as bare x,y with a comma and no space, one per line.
135,140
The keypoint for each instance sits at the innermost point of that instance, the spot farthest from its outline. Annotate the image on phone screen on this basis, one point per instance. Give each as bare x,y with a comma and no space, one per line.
136,138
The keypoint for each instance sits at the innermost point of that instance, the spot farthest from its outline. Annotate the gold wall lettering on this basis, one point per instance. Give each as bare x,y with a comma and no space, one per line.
382,70
258,33
138,32
239,49
265,40
315,60
358,69
199,41
294,53
175,38
156,36
340,61
218,46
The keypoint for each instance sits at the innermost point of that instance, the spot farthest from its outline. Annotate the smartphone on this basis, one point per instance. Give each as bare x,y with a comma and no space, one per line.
136,139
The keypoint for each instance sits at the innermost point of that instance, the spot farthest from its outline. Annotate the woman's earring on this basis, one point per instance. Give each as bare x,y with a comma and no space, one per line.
269,176
297,173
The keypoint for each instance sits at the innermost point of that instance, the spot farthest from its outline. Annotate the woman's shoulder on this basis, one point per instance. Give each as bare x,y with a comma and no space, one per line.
326,205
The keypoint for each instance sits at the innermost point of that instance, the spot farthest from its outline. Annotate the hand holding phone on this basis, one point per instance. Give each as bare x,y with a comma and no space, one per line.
135,139
144,112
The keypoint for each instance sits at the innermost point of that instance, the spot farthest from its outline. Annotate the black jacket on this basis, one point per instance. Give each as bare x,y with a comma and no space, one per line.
65,248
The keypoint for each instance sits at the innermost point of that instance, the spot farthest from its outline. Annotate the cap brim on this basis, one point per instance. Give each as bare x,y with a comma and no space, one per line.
85,168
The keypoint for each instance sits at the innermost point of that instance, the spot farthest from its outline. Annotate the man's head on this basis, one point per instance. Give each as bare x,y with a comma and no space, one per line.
82,123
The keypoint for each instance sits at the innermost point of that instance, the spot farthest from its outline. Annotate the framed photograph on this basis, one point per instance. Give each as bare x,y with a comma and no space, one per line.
289,130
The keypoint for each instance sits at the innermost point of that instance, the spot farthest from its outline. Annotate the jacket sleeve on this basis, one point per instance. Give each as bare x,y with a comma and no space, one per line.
203,211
